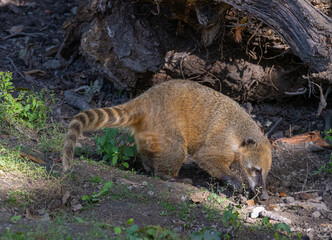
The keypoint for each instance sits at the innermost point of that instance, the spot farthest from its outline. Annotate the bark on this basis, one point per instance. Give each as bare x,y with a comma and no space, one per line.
305,29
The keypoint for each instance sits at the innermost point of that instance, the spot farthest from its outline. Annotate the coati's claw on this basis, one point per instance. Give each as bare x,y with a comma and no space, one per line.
232,182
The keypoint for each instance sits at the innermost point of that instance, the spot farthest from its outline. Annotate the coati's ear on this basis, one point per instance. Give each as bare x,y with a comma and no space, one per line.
249,142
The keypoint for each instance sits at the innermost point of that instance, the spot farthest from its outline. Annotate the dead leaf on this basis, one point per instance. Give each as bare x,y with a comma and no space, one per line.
16,29
282,194
65,197
313,136
250,202
32,158
199,197
37,72
271,207
239,30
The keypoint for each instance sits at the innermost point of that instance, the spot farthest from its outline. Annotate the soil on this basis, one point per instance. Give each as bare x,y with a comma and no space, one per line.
295,192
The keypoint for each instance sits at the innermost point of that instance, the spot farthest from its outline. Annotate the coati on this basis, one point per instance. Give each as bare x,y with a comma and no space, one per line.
178,118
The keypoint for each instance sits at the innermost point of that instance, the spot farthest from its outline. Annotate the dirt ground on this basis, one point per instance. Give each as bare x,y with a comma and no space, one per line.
30,34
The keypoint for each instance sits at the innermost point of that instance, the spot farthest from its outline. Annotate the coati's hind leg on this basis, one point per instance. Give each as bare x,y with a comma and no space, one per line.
218,167
161,157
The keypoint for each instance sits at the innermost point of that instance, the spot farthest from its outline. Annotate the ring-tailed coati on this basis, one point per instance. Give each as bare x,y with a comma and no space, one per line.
179,118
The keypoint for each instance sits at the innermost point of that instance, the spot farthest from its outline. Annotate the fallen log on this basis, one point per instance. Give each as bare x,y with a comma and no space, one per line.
304,28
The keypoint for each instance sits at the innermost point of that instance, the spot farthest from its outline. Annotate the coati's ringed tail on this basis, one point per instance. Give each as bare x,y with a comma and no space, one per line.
94,119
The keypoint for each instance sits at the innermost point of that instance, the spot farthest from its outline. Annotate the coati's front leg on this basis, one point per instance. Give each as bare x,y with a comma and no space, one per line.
218,167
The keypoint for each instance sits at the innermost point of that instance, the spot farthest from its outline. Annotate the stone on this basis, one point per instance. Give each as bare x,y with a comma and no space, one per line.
255,213
316,214
52,64
288,200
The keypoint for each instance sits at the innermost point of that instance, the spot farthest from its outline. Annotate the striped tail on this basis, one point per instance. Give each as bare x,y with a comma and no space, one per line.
94,119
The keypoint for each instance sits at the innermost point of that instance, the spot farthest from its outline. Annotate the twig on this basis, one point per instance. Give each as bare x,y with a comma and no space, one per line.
312,162
11,61
306,178
276,176
276,56
256,30
270,72
274,126
322,102
23,34
307,191
299,92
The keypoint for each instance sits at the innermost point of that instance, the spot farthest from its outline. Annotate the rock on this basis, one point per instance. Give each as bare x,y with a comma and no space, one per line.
52,64
288,200
65,197
77,207
316,214
150,193
184,198
255,213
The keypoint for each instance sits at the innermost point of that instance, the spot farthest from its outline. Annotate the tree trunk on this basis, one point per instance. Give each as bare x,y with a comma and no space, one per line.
305,29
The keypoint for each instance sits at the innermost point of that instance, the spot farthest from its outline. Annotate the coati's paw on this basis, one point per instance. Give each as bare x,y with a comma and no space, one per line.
233,182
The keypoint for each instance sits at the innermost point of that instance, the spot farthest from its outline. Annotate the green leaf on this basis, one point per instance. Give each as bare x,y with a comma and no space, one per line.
117,230
115,160
115,149
106,188
281,226
130,221
85,197
125,164
128,152
14,219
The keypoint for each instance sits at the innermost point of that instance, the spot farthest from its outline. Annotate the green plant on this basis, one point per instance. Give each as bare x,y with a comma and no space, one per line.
95,180
16,218
133,232
95,197
116,146
281,226
206,234
231,217
19,198
326,167
29,109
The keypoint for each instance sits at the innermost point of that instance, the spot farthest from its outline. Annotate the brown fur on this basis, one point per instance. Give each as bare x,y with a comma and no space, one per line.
179,118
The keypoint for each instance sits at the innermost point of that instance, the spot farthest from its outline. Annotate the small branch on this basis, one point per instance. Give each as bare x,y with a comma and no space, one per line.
306,178
307,191
11,61
274,126
22,34
301,91
322,103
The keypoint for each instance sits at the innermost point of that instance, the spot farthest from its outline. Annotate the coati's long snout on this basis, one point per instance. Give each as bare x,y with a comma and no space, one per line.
94,119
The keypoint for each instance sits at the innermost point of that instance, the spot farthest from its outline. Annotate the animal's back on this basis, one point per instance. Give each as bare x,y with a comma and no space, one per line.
189,110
